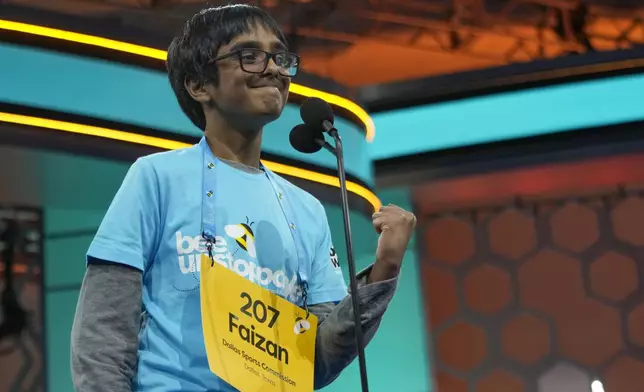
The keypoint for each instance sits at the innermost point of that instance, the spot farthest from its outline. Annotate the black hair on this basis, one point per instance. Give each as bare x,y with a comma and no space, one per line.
198,43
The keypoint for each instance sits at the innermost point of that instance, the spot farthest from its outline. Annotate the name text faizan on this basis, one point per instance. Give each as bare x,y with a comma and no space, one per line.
250,336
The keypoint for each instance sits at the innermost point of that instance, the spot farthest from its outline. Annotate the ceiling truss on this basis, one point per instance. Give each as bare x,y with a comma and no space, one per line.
494,31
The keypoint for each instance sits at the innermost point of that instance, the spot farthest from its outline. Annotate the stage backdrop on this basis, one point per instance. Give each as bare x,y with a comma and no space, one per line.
46,82
74,202
511,115
133,96
534,277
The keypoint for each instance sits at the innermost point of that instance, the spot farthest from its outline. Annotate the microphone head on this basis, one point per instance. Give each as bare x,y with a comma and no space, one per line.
303,137
314,111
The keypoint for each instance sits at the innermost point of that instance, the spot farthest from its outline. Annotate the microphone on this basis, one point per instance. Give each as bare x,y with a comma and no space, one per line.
316,113
304,139
308,140
318,117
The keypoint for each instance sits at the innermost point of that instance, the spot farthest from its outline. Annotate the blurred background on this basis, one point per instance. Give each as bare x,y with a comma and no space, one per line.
512,128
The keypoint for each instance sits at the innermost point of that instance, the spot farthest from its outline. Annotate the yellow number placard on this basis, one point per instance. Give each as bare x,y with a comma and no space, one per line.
255,340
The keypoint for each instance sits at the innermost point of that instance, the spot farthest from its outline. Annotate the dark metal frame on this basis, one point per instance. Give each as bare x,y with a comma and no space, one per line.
502,79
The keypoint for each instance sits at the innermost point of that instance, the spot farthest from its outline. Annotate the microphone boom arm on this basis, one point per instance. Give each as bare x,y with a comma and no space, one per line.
324,144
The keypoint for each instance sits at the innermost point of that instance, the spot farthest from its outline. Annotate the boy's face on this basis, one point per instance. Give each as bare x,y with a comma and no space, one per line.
250,97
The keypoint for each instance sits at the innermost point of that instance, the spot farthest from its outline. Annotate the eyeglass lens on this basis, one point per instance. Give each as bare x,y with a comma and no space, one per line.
255,61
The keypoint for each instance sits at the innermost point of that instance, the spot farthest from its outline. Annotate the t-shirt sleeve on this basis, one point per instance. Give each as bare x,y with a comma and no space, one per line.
128,232
326,283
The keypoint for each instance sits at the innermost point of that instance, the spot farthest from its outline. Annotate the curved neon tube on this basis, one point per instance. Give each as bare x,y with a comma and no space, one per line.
168,144
159,54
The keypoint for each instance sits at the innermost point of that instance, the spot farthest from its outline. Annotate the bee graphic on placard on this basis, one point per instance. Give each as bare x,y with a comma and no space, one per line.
301,325
243,234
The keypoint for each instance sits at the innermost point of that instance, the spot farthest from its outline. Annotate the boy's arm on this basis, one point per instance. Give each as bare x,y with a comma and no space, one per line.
105,333
335,346
104,341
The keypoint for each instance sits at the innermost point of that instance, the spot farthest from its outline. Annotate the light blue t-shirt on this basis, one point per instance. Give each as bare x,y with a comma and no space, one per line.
267,229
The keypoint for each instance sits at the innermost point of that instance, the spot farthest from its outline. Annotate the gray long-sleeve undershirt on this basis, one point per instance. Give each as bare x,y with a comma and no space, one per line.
104,341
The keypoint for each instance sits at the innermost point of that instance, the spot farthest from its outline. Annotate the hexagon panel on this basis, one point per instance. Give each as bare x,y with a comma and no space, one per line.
512,234
613,276
448,382
500,380
625,374
551,282
449,240
575,285
628,221
589,333
574,227
441,291
487,289
526,338
462,346
636,325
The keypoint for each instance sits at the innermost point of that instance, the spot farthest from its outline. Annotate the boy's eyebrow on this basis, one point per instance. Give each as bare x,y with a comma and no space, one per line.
277,45
245,45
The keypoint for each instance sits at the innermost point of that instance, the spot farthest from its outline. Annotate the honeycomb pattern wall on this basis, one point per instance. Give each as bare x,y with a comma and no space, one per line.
537,296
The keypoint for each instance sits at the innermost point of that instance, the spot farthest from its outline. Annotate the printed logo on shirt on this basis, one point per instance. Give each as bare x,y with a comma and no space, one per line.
334,258
244,236
190,249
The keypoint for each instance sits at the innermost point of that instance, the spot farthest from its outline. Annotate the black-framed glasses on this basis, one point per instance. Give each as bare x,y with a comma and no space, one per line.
256,61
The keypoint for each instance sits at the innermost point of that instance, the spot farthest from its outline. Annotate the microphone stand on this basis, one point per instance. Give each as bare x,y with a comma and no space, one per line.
353,282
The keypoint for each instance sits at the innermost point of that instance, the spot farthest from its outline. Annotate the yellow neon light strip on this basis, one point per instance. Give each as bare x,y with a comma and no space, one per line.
158,54
326,180
173,145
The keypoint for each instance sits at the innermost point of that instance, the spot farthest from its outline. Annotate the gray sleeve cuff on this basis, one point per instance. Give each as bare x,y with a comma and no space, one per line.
386,285
336,345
